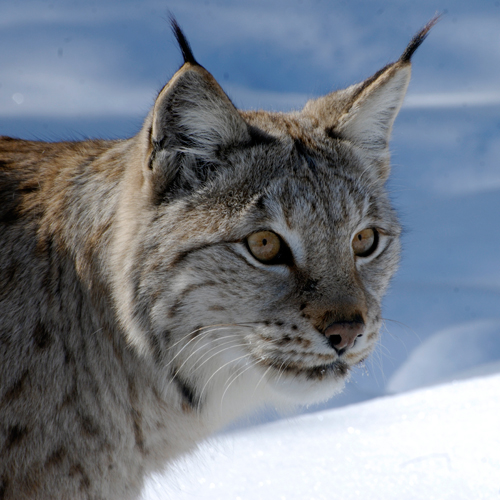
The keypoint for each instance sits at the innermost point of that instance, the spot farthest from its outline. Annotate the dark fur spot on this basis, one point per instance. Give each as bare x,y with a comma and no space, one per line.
71,397
173,310
332,133
41,336
4,483
216,308
302,307
260,203
89,427
56,458
78,470
310,286
9,195
157,395
157,352
54,270
258,138
16,390
74,470
304,342
294,327
279,323
15,435
9,214
342,369
69,358
188,393
136,416
138,435
84,483
8,276
150,137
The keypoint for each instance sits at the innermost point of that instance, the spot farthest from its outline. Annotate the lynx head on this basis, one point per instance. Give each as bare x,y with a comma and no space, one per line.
254,247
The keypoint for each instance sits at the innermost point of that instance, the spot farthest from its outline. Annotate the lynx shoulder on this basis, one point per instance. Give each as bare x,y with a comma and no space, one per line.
156,288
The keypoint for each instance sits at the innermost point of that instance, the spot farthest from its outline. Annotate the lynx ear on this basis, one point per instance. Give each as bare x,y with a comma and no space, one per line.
364,113
192,121
369,117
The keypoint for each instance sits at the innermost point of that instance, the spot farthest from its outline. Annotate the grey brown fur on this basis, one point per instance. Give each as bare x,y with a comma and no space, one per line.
136,317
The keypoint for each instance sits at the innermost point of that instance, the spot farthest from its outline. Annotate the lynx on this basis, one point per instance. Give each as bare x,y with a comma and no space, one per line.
154,289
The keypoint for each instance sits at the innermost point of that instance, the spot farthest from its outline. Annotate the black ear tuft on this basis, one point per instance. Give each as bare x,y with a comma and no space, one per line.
187,53
418,39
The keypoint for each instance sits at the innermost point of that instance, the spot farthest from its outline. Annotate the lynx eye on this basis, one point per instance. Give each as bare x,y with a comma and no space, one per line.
365,242
265,246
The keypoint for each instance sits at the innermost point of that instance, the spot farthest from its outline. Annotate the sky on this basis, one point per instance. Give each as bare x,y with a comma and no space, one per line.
78,69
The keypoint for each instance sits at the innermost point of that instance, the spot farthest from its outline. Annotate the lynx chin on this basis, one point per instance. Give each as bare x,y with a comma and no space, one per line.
154,289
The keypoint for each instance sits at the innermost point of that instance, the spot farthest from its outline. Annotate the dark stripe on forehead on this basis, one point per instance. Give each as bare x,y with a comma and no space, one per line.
352,182
309,157
303,152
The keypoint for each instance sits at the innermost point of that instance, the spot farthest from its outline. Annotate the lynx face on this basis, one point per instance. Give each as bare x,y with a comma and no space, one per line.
267,239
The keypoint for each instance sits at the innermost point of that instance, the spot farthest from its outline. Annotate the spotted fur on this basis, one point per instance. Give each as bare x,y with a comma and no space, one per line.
134,319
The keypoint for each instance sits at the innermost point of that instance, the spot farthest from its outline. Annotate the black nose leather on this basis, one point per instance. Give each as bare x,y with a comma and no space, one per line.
342,335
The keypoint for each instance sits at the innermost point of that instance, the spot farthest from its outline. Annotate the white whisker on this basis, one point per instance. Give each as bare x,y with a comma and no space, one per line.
208,329
261,379
220,351
238,374
201,347
220,368
280,371
198,339
400,324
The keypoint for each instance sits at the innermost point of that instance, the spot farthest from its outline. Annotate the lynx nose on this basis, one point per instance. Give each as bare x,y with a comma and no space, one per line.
342,335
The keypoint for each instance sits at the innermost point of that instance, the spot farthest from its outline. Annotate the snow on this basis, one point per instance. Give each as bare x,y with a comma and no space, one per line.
450,354
441,444
85,68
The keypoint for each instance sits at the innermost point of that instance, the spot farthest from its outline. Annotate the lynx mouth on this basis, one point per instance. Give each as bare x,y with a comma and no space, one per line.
296,384
338,369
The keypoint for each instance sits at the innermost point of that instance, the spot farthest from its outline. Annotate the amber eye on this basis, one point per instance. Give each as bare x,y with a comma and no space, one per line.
365,242
265,246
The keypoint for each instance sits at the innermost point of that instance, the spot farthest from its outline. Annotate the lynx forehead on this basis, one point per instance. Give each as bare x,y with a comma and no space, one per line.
154,289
